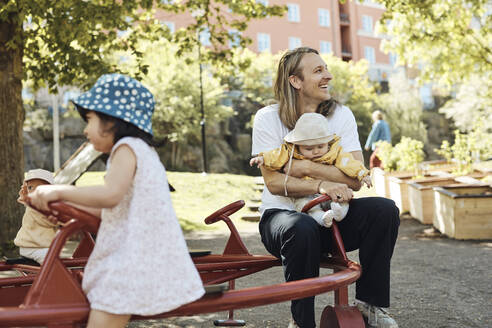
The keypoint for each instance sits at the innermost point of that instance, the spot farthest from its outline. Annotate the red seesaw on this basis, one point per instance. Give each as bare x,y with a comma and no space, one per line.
51,295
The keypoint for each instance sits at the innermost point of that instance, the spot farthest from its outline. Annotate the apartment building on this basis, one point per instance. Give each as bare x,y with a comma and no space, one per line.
347,30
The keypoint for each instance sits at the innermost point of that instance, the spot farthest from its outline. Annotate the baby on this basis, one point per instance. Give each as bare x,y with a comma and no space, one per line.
311,139
36,233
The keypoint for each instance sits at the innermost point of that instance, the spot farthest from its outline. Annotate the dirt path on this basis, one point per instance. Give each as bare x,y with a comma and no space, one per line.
436,283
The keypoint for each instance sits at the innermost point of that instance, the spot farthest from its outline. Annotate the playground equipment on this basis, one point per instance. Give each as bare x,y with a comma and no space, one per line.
51,295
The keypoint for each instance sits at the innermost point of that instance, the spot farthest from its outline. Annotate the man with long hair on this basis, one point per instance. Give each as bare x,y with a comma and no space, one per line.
371,224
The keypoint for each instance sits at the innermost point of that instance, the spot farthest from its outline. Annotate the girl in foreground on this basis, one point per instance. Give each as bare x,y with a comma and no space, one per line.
140,263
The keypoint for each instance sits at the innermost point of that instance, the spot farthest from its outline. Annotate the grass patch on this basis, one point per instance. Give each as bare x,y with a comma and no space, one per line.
197,196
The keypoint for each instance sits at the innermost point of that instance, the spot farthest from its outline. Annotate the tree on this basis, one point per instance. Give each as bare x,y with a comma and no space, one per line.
474,99
175,84
403,109
352,87
68,41
448,40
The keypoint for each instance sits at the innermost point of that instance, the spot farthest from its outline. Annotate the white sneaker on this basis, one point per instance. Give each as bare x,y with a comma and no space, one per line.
376,316
292,324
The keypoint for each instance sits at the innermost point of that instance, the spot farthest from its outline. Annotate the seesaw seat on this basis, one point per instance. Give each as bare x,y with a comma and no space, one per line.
51,295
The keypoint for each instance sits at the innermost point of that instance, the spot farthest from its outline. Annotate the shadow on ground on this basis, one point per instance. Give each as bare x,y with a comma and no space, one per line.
437,282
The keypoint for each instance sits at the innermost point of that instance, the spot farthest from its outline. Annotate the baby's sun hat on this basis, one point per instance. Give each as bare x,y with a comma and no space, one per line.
40,174
122,97
311,129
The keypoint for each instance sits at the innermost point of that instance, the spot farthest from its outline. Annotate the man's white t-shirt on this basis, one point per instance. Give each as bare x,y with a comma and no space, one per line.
269,133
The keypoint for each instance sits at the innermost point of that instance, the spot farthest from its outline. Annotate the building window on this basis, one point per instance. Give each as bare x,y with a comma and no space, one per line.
324,17
235,42
294,42
367,23
205,37
293,13
370,55
170,25
263,42
325,47
393,59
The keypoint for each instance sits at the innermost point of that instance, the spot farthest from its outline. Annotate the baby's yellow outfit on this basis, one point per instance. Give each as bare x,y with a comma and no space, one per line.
277,158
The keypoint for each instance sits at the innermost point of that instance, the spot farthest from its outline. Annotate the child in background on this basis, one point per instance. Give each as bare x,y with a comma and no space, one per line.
36,233
139,230
311,139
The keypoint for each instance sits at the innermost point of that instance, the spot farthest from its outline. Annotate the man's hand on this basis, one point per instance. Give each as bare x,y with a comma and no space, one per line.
338,192
299,168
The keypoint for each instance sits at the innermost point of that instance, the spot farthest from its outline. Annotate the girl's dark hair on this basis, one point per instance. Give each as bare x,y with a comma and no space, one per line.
120,128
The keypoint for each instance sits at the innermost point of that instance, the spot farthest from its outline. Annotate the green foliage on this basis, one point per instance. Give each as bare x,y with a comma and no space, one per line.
473,103
176,87
387,155
249,88
351,86
68,41
467,149
410,153
451,39
403,109
404,156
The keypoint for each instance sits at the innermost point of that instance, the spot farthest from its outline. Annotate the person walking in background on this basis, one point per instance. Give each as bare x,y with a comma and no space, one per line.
380,132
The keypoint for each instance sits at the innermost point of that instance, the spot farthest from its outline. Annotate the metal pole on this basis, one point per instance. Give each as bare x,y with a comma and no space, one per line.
202,111
56,133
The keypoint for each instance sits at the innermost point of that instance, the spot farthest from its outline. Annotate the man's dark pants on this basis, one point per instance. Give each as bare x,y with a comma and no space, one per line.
371,225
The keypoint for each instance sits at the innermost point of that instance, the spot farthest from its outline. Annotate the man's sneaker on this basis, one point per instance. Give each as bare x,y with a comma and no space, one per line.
376,316
292,324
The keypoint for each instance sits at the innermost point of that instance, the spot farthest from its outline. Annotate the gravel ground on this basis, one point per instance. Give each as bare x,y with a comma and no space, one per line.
437,282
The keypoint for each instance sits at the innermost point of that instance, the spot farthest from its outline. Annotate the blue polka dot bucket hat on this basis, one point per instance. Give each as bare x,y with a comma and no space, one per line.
122,97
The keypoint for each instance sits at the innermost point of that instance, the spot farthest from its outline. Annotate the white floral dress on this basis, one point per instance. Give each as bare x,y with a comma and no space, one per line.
140,263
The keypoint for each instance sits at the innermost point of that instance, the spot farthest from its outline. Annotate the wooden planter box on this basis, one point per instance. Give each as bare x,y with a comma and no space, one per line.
463,212
421,197
381,178
398,187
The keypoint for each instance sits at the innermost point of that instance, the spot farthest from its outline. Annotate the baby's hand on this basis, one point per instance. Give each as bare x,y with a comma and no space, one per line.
367,181
42,195
258,161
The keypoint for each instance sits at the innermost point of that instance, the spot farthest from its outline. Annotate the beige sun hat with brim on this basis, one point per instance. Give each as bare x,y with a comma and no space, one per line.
311,129
40,174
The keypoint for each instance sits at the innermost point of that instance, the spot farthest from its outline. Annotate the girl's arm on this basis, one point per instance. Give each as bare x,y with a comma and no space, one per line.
116,183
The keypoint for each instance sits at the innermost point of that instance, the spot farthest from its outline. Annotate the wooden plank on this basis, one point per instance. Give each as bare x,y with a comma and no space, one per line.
463,218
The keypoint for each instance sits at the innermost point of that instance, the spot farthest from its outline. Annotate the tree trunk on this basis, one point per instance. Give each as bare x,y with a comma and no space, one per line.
11,142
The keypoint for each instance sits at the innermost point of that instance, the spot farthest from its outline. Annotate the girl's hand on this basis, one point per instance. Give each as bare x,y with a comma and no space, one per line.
339,192
44,194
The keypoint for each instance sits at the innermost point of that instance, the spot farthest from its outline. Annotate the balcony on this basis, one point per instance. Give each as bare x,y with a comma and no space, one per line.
344,19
